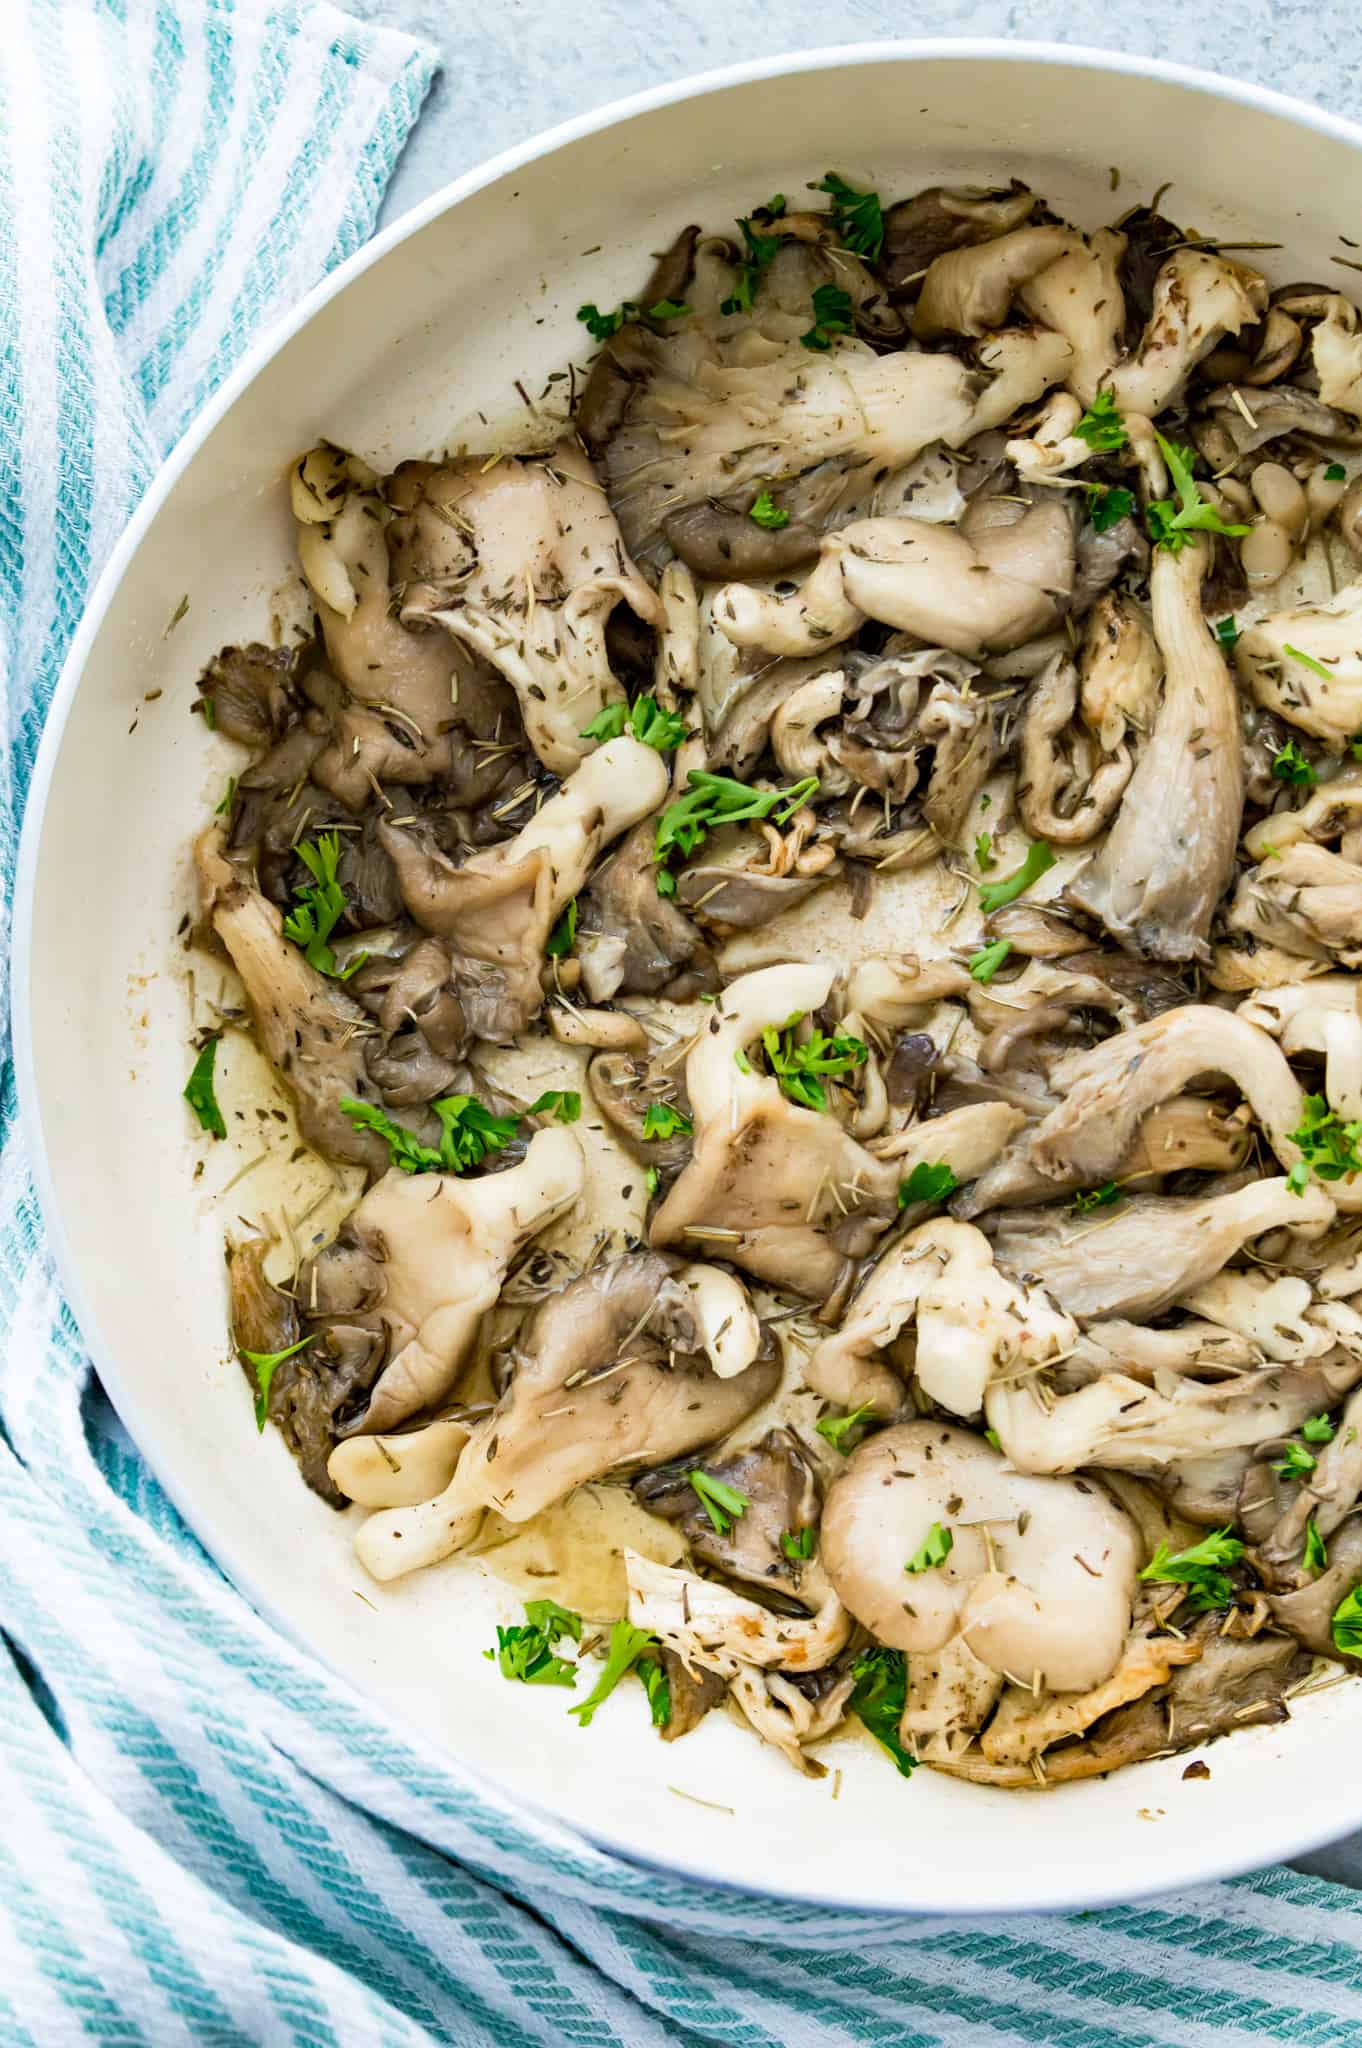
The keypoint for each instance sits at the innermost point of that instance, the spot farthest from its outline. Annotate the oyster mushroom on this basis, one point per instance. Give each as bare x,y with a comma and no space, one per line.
609,1371
1025,1726
954,589
1306,901
401,1469
1065,797
970,290
781,1190
630,940
1332,810
544,569
436,1248
715,1629
1199,298
1280,659
970,1320
498,909
1168,858
1040,1577
918,230
780,1485
1121,670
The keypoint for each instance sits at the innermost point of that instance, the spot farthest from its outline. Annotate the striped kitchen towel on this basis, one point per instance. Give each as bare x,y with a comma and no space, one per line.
204,1837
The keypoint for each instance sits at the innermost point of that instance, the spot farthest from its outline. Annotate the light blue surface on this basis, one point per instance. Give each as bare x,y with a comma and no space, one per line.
204,1838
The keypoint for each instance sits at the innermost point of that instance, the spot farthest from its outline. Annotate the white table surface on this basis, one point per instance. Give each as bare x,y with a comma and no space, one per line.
514,67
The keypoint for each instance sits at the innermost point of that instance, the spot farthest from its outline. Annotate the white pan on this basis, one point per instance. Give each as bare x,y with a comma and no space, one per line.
394,355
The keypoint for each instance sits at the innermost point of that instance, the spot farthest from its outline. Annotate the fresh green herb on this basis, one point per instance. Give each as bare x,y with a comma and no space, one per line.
1172,526
644,719
1200,1568
207,706
935,1547
198,1090
1103,426
928,1184
320,907
991,1436
878,1698
1039,860
986,963
563,936
712,800
835,1428
1316,668
658,1688
741,1061
652,1180
767,513
563,1103
524,1652
468,1132
985,802
554,1620
1328,1144
721,1502
1108,505
1096,1198
799,1544
1298,1463
601,326
760,252
1347,1623
801,1066
831,315
626,1642
857,216
1291,766
1355,747
1317,1429
1316,1550
1227,633
265,1364
984,856
1298,1179
1335,473
664,1120
228,799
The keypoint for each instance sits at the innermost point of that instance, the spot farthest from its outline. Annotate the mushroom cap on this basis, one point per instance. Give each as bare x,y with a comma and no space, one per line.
1040,1576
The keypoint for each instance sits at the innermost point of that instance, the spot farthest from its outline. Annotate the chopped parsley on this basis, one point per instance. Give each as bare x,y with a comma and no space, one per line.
801,1066
1316,668
657,1685
834,1429
1172,526
1317,1429
1096,1198
992,1437
935,1547
985,964
524,1652
601,326
1316,1550
857,216
759,253
652,1180
993,895
799,1544
878,1698
1108,505
564,1104
1347,1623
198,1090
468,1132
1335,473
765,511
721,1502
1227,633
984,856
1291,766
320,907
1102,426
665,1120
265,1364
831,315
928,1183
1298,1463
713,800
564,934
644,720
1200,1568
1329,1146
626,1644
223,810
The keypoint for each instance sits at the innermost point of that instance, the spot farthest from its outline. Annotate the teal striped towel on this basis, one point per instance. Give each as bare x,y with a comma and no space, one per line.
204,1837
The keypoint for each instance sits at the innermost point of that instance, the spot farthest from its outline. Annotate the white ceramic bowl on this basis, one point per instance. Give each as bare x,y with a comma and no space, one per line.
395,354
